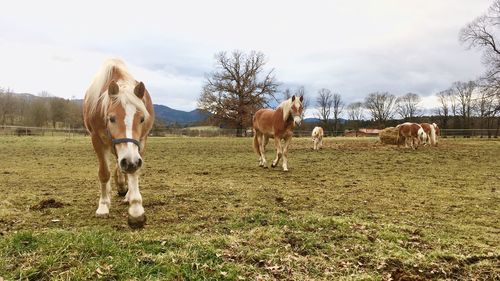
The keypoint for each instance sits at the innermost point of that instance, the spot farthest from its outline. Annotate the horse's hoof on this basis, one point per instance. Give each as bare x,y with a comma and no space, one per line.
104,215
272,165
137,222
122,193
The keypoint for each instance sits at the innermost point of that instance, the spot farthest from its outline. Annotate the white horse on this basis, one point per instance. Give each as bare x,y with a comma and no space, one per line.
317,138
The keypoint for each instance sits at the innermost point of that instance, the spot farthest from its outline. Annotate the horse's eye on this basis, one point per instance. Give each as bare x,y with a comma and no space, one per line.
142,119
112,119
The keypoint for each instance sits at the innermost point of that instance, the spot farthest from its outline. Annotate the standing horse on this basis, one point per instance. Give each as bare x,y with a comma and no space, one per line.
412,132
437,133
317,138
277,124
430,131
118,114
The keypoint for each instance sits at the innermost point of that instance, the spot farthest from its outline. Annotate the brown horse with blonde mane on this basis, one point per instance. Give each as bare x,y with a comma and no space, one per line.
277,124
118,114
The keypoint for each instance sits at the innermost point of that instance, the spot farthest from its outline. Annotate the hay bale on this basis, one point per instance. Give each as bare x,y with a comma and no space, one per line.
389,135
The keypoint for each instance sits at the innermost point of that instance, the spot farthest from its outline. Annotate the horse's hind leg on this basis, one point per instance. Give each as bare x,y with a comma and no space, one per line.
104,176
285,153
136,217
279,151
263,142
121,182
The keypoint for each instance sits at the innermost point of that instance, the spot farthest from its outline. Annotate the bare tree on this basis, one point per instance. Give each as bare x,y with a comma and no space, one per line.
324,102
381,106
39,112
407,106
237,88
462,92
483,106
355,114
338,107
483,33
7,108
355,111
443,110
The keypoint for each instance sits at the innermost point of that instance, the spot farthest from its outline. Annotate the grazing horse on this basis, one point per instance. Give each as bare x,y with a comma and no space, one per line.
317,138
437,133
412,132
118,114
430,131
277,124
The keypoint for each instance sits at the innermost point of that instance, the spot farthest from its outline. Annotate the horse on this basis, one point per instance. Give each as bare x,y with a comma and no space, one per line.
438,133
118,114
277,124
411,131
430,130
317,138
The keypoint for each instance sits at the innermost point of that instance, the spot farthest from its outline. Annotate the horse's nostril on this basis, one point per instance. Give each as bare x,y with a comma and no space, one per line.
123,164
139,163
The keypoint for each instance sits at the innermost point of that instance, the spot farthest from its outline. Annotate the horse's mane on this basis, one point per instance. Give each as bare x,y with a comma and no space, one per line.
286,106
97,97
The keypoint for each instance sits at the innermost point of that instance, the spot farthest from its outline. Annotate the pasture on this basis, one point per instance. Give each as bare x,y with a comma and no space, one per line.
354,210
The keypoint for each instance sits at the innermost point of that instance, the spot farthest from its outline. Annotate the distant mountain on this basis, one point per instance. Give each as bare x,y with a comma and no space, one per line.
170,115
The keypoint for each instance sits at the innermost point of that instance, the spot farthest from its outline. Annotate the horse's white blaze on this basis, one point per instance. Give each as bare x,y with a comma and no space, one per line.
132,151
134,196
297,119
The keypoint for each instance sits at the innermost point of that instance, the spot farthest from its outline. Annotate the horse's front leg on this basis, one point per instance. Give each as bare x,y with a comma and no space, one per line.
279,151
285,153
104,176
136,216
121,182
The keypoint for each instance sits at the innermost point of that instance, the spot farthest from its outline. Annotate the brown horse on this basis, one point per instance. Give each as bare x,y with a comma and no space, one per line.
430,131
277,124
118,114
412,132
317,138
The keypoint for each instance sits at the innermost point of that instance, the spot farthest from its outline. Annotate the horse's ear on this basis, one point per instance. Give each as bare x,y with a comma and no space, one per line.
113,89
140,90
293,97
301,98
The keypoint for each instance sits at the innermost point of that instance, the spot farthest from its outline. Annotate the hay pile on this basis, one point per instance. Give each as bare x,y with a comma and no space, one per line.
389,135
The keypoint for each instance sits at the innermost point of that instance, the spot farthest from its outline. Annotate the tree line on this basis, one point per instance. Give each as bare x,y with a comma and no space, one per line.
42,110
239,86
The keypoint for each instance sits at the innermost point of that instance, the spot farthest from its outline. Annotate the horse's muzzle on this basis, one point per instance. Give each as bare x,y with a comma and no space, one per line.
297,120
130,167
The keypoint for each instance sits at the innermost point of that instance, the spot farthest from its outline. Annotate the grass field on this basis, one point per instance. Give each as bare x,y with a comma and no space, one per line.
355,210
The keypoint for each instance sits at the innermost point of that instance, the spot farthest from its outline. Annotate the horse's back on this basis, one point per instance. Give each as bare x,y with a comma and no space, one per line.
263,121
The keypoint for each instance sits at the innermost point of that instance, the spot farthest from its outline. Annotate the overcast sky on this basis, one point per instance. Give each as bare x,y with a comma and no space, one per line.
350,47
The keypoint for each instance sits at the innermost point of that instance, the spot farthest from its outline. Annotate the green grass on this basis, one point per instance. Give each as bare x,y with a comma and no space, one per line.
354,210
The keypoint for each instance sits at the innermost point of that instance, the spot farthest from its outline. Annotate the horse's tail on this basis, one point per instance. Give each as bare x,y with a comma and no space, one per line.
397,138
256,146
433,135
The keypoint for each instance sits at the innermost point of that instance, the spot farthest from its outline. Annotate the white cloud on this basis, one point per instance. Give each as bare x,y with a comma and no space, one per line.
351,47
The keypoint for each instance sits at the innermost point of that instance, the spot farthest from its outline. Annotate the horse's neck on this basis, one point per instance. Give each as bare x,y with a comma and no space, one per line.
281,125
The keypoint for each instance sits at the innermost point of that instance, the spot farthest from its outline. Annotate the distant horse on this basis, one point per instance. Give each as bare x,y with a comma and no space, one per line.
412,132
317,138
118,114
430,131
277,124
438,132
